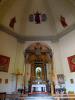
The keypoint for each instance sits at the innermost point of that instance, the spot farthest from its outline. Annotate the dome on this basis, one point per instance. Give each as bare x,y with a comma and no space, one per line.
19,18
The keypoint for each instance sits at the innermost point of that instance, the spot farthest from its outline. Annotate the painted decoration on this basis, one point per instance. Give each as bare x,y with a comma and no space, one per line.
37,17
60,78
12,22
71,62
63,21
4,63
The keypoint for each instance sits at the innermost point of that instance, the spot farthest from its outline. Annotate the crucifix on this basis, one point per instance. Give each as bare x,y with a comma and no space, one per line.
37,17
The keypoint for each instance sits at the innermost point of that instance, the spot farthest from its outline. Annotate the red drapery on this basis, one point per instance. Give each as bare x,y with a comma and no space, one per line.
4,63
71,61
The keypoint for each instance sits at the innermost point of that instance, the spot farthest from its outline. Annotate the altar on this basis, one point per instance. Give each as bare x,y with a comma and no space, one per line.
41,68
38,89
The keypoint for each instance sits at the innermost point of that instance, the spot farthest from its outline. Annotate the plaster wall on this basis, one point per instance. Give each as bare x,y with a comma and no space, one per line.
67,49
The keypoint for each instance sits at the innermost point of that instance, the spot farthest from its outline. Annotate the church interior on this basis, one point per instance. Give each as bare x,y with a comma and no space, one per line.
37,49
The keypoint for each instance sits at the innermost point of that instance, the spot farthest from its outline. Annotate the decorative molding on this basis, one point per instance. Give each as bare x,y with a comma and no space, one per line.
22,38
66,31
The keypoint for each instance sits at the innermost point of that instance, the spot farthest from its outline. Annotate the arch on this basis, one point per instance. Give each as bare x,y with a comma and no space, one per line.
38,49
38,55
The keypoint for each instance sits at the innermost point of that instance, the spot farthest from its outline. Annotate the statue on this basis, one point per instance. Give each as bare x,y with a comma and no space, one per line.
38,72
12,22
63,21
37,17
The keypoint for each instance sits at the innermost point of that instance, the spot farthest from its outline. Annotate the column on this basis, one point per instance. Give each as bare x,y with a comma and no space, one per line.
52,75
43,73
33,76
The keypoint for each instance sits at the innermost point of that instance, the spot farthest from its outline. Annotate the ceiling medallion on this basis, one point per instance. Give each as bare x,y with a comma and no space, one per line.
37,17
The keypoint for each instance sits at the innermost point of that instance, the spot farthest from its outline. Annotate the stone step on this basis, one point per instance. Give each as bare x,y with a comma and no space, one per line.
39,98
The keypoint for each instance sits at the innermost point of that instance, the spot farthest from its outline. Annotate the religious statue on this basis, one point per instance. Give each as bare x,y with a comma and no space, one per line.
12,22
37,17
38,72
63,21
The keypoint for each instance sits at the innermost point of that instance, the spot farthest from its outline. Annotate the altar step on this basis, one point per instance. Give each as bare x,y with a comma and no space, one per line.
39,98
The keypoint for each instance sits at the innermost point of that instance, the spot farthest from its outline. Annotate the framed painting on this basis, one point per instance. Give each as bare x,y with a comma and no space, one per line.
4,63
71,62
71,81
6,81
60,78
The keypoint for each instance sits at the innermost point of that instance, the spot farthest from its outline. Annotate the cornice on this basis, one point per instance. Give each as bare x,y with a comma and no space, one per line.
22,38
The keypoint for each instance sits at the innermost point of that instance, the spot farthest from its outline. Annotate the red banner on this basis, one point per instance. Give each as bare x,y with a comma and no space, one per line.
4,63
71,61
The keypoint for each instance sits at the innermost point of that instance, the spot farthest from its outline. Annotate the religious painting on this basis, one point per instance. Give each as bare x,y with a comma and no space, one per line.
63,21
60,78
6,81
0,80
71,81
71,62
4,63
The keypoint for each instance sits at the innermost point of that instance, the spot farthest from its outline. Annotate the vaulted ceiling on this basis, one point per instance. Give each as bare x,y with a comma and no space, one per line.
60,18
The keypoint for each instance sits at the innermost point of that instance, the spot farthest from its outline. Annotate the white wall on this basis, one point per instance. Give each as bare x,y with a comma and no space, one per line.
67,48
10,86
8,48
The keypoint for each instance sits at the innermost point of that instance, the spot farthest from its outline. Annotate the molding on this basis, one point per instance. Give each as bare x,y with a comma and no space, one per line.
66,31
22,38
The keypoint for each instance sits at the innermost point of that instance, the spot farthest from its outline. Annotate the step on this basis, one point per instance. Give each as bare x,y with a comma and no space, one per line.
39,98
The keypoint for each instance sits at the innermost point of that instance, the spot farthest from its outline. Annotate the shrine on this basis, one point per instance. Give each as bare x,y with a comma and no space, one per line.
38,56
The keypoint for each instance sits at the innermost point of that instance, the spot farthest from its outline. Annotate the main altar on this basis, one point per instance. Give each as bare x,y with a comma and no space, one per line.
40,58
